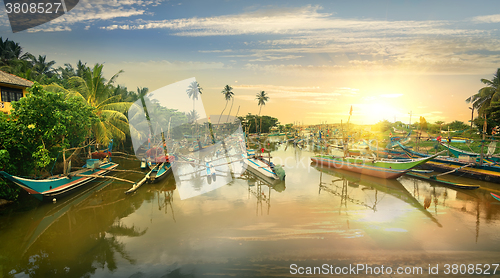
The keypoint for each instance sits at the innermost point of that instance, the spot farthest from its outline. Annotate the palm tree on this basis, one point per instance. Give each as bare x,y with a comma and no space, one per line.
192,116
482,100
10,51
193,91
262,97
41,66
486,95
97,93
228,95
231,108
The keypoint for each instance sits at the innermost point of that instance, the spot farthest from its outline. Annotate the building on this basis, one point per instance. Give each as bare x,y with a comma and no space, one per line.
12,88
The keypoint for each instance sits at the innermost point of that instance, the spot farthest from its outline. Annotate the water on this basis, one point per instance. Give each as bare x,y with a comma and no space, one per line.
319,219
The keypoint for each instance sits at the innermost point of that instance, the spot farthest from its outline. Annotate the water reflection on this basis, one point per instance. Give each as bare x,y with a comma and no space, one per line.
163,192
251,227
476,203
74,237
388,186
257,188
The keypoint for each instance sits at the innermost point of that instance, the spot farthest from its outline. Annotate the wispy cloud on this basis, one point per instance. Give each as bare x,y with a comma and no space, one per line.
310,95
494,18
92,11
425,46
296,21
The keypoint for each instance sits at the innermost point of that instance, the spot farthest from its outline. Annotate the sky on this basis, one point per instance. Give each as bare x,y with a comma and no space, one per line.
389,60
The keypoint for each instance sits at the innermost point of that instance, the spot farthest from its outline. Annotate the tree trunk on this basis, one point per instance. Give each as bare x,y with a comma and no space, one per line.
260,126
221,114
227,118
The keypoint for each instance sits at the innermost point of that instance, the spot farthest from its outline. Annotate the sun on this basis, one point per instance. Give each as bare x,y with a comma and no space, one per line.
372,113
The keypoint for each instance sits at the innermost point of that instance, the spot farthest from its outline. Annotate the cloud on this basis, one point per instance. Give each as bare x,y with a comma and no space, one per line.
49,29
424,47
292,21
494,18
154,66
304,95
92,11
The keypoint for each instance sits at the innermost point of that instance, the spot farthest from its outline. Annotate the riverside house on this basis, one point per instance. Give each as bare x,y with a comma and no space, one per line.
12,88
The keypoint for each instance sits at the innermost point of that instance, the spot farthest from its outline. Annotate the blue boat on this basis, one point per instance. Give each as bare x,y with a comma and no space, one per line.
52,187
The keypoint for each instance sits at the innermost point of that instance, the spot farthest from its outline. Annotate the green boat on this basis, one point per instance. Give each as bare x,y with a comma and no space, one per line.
381,168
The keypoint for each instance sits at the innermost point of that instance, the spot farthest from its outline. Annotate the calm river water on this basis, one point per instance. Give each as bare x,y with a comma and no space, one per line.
318,221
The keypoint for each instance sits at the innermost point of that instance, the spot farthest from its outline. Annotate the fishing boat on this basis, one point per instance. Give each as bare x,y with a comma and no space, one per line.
160,167
265,168
461,153
489,172
381,168
495,196
47,189
440,181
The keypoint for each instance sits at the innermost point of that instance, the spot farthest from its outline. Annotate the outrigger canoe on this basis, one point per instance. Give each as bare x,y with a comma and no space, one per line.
52,187
381,168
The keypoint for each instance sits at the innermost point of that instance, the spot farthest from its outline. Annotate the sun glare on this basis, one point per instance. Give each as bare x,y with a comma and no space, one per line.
372,113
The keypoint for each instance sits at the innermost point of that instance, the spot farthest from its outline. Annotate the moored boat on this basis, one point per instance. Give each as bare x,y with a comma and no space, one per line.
264,168
52,187
382,168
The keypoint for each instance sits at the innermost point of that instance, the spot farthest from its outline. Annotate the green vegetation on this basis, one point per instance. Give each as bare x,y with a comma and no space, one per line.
262,98
40,126
266,123
486,102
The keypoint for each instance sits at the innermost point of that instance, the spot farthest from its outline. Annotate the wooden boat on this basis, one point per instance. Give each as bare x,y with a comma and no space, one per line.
52,187
262,167
495,196
486,172
381,168
461,153
442,182
159,171
160,166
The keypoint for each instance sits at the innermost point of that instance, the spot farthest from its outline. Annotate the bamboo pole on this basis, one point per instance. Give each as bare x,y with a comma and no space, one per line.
449,172
105,177
116,170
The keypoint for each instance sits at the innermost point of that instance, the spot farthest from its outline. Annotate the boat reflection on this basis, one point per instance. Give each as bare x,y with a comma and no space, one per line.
257,187
54,236
339,187
438,198
164,193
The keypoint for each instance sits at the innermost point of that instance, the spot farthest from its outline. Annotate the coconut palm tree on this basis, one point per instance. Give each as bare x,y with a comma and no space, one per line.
192,116
485,96
10,51
482,100
193,91
228,95
231,108
93,89
262,97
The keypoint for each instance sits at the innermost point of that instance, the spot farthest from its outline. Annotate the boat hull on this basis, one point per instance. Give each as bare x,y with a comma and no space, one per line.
158,174
260,168
358,168
51,188
376,168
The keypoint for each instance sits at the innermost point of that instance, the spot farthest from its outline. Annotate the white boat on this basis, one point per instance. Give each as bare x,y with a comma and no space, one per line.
262,167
